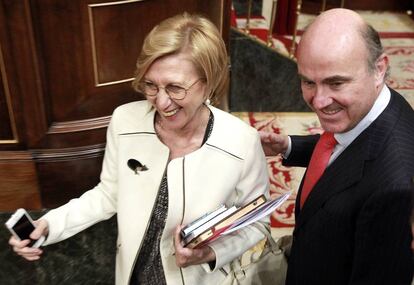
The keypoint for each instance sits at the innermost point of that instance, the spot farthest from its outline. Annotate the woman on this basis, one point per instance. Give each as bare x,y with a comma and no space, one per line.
168,160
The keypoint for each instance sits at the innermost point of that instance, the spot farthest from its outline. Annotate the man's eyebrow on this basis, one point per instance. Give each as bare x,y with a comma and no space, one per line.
303,77
336,78
328,80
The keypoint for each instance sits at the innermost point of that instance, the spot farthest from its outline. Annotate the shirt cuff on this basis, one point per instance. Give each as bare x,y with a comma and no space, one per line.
289,149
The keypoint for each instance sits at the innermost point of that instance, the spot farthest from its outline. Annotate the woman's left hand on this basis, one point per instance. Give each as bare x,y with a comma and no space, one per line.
187,256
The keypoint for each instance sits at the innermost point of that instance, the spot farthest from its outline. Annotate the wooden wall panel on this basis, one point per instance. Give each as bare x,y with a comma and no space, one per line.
69,63
18,181
22,71
6,119
8,127
67,173
114,53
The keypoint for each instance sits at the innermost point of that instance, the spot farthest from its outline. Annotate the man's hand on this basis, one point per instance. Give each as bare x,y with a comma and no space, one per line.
187,256
273,144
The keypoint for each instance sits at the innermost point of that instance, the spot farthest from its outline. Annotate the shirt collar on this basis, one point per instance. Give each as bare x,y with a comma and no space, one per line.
345,139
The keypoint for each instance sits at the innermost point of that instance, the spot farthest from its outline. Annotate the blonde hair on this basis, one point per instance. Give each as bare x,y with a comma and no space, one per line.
188,33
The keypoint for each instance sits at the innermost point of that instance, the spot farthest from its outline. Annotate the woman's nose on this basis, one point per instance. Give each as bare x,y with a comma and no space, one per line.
163,101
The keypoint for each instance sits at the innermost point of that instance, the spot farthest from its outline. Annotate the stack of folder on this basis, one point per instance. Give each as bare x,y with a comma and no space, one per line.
224,220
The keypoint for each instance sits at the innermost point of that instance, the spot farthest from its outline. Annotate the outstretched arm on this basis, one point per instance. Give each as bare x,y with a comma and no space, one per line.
273,144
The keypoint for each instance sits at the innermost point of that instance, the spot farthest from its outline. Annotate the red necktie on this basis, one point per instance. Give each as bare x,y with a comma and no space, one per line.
319,161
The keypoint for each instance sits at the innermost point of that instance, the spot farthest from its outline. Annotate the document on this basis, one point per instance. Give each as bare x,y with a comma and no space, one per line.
209,224
259,213
202,220
220,222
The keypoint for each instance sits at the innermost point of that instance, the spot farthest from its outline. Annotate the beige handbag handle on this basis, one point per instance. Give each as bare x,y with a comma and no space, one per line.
273,245
238,272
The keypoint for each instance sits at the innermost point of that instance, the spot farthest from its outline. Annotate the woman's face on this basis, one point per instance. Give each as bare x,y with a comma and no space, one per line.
174,71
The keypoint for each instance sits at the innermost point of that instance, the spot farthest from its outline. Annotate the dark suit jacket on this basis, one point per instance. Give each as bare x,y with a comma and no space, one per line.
354,226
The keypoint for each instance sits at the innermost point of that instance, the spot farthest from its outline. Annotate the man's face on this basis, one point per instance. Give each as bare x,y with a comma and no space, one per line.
337,84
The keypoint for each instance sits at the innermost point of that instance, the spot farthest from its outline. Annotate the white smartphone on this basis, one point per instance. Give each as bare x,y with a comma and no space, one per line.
20,224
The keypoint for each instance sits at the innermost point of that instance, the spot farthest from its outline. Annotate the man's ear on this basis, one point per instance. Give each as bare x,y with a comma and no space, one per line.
381,68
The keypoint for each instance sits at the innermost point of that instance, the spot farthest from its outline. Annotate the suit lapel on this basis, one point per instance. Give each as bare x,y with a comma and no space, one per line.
348,168
344,171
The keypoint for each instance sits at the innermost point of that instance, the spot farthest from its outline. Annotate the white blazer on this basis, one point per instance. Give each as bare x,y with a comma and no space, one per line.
229,168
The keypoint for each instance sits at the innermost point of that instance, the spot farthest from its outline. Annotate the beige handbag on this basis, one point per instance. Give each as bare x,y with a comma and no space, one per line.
266,267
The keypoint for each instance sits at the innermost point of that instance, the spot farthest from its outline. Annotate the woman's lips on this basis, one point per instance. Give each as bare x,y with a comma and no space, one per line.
169,113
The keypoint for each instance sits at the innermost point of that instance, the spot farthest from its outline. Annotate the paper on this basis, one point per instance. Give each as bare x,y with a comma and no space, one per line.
207,229
209,224
202,220
261,212
210,228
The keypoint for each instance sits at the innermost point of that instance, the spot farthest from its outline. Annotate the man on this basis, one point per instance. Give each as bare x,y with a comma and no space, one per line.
352,228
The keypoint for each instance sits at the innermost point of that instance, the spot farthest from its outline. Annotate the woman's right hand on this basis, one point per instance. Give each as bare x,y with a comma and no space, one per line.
20,246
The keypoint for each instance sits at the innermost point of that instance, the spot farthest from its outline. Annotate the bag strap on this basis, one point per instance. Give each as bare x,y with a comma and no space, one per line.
273,245
239,273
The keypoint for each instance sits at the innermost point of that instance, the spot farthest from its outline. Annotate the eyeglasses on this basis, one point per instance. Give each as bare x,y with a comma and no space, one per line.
173,91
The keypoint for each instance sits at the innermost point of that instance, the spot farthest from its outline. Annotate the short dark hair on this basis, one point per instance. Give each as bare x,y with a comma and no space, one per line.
372,41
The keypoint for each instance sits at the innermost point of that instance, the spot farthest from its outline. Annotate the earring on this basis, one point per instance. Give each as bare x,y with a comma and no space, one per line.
207,102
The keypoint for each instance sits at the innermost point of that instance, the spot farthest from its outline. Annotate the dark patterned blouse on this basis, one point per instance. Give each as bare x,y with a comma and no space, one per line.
148,269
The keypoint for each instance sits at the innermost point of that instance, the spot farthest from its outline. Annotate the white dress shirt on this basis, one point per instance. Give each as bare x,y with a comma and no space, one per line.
345,139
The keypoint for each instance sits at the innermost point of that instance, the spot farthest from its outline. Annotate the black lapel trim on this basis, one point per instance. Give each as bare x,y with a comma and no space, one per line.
136,133
225,151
